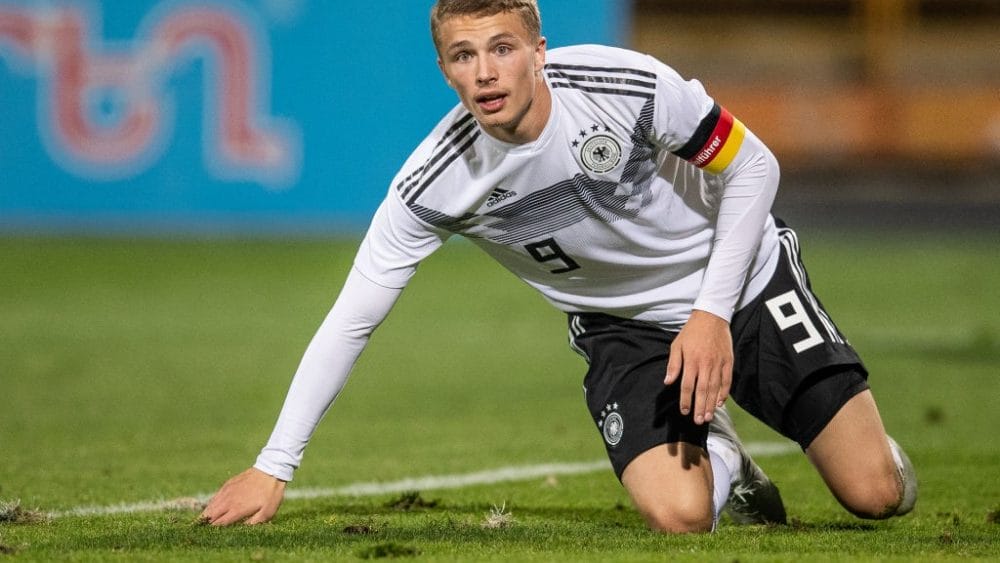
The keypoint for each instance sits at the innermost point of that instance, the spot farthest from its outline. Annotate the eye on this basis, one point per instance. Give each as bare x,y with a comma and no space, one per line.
463,57
503,49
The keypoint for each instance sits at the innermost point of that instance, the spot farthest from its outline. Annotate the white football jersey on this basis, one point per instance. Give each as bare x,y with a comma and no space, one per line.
641,198
599,213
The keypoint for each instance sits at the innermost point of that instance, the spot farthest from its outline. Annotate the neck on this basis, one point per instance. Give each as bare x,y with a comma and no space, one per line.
531,123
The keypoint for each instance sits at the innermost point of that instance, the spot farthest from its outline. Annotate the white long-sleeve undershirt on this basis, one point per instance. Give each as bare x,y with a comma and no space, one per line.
322,373
749,190
737,269
362,305
751,184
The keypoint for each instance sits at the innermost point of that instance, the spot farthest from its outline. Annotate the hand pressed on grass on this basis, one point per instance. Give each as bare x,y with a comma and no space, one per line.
252,497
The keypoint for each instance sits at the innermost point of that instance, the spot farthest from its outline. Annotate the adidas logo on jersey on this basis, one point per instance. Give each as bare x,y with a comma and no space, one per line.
499,195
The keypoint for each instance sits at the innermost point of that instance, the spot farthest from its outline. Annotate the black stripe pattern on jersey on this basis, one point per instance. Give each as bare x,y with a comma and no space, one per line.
642,148
701,134
545,211
602,80
564,203
456,140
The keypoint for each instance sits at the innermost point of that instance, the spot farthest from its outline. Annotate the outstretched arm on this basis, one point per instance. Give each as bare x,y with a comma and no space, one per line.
254,495
395,243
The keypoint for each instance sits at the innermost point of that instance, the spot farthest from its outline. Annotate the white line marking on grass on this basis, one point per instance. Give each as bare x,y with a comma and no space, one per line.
185,503
426,483
439,482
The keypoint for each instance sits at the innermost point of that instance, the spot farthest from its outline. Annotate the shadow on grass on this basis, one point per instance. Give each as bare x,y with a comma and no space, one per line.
797,525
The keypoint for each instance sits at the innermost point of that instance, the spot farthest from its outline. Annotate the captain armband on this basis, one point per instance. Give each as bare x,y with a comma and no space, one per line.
715,142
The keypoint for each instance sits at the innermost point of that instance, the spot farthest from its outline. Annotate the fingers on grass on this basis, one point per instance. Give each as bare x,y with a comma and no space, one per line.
260,517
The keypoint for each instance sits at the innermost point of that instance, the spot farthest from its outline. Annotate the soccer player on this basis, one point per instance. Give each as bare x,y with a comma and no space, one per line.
640,207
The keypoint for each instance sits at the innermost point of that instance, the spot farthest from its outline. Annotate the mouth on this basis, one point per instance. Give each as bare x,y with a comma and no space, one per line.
491,102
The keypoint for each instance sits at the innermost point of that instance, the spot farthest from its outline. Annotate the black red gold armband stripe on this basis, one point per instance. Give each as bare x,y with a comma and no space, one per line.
715,142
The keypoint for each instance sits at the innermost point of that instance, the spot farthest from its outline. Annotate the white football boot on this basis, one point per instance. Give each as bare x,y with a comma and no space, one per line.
907,474
753,498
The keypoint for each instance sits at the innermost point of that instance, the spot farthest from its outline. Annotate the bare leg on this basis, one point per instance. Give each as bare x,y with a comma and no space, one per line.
853,457
671,485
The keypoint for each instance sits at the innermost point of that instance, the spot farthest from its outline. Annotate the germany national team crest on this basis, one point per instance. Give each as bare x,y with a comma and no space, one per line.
600,151
611,424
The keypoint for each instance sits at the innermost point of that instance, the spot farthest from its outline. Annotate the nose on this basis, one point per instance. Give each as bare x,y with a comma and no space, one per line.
486,72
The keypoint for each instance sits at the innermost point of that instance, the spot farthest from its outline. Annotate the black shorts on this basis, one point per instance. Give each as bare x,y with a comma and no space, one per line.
793,368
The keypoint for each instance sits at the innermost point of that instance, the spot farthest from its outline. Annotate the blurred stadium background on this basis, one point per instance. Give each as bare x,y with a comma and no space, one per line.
182,185
285,117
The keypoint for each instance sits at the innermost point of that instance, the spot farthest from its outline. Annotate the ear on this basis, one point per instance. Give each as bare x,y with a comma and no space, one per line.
540,54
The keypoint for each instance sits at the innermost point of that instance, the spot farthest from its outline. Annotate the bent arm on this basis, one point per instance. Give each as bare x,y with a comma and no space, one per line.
703,351
700,131
750,185
691,125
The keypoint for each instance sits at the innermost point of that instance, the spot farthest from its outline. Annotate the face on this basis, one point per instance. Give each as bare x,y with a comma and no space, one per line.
495,66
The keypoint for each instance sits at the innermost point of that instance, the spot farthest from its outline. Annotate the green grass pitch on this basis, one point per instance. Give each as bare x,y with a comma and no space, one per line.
142,370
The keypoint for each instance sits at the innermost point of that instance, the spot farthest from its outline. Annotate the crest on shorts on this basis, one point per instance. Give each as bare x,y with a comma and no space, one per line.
600,152
611,424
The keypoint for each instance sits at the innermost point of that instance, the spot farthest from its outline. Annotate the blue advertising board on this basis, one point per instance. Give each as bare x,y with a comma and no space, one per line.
261,116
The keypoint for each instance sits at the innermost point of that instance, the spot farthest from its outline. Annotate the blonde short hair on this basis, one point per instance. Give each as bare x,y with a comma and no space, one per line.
444,9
